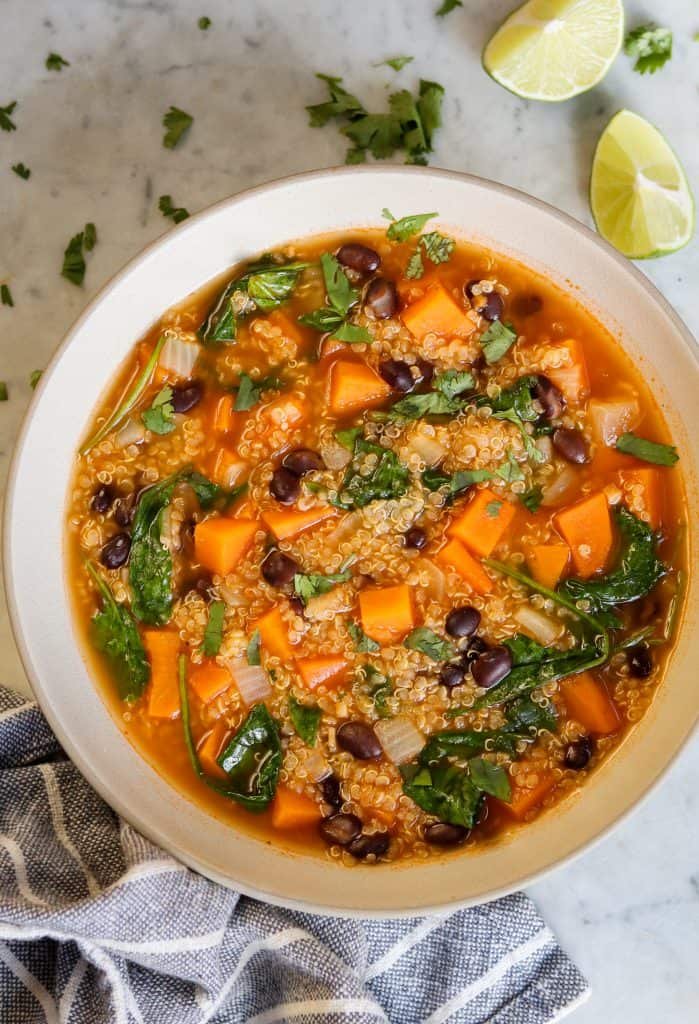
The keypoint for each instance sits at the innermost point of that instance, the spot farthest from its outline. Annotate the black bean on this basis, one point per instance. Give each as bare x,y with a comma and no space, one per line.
425,371
451,675
462,621
284,486
297,606
329,787
527,305
359,739
572,445
490,306
415,537
186,396
640,661
302,461
279,569
359,257
125,508
102,499
340,828
115,552
363,846
382,298
549,397
491,667
440,833
397,375
577,755
476,647
201,585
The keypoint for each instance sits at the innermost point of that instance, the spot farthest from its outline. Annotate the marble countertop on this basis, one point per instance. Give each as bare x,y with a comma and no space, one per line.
629,910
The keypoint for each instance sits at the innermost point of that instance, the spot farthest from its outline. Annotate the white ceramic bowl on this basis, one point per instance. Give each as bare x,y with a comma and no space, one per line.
168,270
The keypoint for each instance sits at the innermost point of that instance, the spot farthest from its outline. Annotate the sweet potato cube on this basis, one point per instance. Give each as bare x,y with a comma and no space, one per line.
588,702
482,524
586,528
274,636
163,648
287,523
455,556
436,312
292,810
328,670
524,799
220,543
387,613
354,386
209,680
547,562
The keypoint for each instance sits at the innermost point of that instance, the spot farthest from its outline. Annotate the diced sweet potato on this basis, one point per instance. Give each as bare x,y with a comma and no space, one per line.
547,563
211,746
387,613
482,524
274,636
354,386
588,702
209,680
328,670
455,556
586,527
292,810
286,523
163,648
437,313
220,543
525,799
224,415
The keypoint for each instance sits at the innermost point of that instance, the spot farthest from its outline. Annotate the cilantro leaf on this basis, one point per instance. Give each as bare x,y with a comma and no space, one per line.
429,643
415,267
4,394
89,237
457,482
213,634
647,451
433,403
533,453
250,391
650,45
532,498
177,123
166,207
253,648
204,23
510,470
404,228
6,295
305,719
453,382
387,480
497,340
323,319
352,334
438,248
348,438
447,6
310,585
54,62
381,134
6,123
73,268
21,170
397,63
363,644
429,107
379,687
160,418
34,378
341,295
340,104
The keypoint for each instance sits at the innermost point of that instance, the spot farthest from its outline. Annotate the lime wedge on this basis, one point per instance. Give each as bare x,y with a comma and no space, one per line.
555,49
639,194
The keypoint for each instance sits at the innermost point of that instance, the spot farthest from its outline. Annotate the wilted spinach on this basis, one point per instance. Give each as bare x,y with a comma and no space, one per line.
264,285
115,633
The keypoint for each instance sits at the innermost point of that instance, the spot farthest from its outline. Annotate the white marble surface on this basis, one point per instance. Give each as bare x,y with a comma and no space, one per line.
629,910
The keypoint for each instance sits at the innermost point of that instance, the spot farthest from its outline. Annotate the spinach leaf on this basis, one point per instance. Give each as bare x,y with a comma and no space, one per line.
342,297
363,644
213,634
457,482
115,633
466,743
253,649
497,340
638,571
379,687
517,397
444,790
525,650
489,778
429,643
388,479
305,718
150,563
647,451
252,760
348,438
526,717
404,228
160,417
264,285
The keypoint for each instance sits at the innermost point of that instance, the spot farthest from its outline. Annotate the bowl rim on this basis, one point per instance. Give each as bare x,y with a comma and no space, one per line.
72,750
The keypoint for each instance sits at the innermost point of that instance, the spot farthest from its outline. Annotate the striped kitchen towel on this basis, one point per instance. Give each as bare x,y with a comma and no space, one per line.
99,925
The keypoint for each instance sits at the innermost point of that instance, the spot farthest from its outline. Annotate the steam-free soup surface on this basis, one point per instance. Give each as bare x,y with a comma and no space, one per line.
377,544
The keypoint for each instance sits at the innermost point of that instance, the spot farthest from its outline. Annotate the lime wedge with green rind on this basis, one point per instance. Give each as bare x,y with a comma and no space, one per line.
554,49
640,197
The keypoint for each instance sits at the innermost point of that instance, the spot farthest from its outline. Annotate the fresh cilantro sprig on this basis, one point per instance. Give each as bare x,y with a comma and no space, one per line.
446,7
73,268
651,45
435,246
21,170
342,298
177,122
308,585
6,122
250,391
430,643
204,23
397,63
403,228
168,209
160,417
6,295
54,62
497,340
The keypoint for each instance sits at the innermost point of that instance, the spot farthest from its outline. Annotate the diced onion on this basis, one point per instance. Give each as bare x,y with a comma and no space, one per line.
316,766
400,739
545,446
235,597
610,419
345,529
425,447
252,681
179,356
335,456
561,483
436,580
132,432
537,625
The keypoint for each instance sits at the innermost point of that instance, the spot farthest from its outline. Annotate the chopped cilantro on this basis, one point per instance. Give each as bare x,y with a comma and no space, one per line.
54,62
73,268
204,23
342,297
305,719
89,237
532,498
497,340
348,438
435,246
492,509
650,45
433,403
3,391
177,123
160,418
34,378
453,382
415,267
429,643
397,63
21,170
253,648
166,207
434,479
6,123
363,644
312,584
340,104
213,634
510,470
6,295
447,6
250,391
404,228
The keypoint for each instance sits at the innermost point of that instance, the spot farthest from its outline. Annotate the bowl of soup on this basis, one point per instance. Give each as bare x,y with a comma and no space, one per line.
348,546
